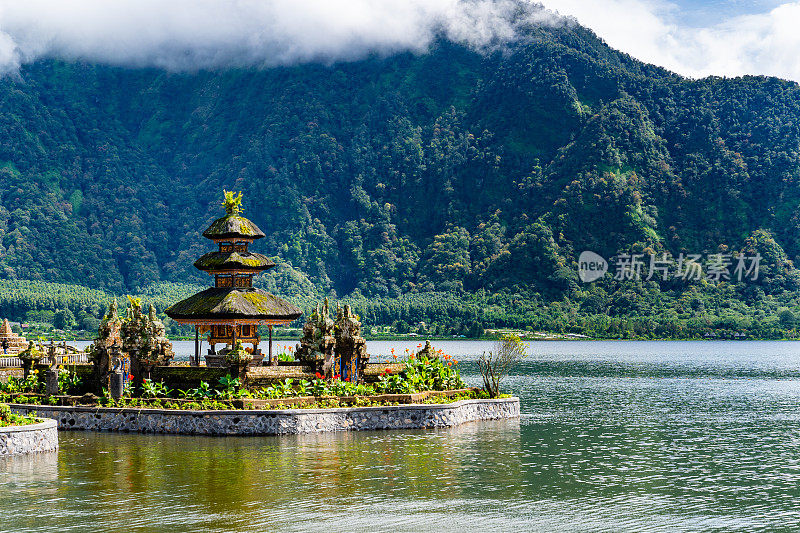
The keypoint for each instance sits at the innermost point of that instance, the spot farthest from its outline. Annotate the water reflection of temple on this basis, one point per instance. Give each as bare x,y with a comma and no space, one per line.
233,309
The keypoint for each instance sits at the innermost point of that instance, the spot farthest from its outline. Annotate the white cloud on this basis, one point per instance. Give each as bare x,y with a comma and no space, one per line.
190,34
767,43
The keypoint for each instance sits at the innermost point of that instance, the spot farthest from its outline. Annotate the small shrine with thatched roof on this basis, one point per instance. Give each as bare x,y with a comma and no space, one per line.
232,309
12,344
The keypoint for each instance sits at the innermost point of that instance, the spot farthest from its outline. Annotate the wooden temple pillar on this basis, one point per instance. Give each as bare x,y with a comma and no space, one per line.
196,346
271,361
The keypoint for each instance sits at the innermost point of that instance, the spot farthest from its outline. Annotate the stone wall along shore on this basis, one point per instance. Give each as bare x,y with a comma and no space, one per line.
275,422
41,437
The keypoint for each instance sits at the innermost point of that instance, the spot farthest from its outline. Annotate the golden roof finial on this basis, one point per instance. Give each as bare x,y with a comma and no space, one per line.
232,202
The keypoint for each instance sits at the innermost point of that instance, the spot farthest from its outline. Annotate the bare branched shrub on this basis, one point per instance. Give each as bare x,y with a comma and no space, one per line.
495,365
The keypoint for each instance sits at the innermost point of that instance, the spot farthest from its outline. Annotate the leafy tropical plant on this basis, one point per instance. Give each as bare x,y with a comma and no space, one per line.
286,357
319,387
201,392
154,389
16,385
434,373
389,383
303,388
229,387
68,381
279,389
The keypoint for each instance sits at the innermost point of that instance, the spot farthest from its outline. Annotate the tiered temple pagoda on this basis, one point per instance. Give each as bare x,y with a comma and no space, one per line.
15,343
233,309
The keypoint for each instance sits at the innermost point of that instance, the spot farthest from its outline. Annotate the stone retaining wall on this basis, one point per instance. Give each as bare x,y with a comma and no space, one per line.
6,373
275,422
42,437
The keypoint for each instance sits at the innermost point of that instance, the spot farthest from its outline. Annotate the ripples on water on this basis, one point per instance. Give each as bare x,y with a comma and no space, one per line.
614,436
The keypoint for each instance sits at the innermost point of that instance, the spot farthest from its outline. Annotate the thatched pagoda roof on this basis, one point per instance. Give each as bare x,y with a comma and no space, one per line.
234,261
231,304
233,226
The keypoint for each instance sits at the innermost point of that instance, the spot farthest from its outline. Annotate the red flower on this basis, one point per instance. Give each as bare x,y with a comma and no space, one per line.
347,378
130,376
319,376
337,376
387,371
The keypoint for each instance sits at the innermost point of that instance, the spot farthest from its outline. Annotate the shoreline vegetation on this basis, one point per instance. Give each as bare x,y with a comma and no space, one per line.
73,312
528,336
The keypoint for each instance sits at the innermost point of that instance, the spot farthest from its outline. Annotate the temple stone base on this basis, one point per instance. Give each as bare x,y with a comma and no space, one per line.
275,422
218,361
33,438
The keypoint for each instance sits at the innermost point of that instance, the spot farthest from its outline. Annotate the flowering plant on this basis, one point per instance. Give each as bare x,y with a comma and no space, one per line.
426,370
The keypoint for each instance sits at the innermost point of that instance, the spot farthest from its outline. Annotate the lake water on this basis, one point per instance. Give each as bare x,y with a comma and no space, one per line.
639,436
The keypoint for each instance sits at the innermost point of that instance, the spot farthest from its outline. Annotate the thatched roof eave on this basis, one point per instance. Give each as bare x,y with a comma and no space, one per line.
234,261
229,304
233,226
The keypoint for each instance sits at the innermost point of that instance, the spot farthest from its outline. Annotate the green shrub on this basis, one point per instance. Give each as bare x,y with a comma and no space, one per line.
7,418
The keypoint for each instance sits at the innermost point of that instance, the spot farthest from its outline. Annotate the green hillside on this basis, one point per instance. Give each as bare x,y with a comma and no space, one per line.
452,187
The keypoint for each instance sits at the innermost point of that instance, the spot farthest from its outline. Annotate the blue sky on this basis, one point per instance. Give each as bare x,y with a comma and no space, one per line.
699,13
698,38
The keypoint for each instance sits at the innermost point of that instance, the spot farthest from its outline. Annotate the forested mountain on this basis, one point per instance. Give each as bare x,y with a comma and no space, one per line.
477,174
